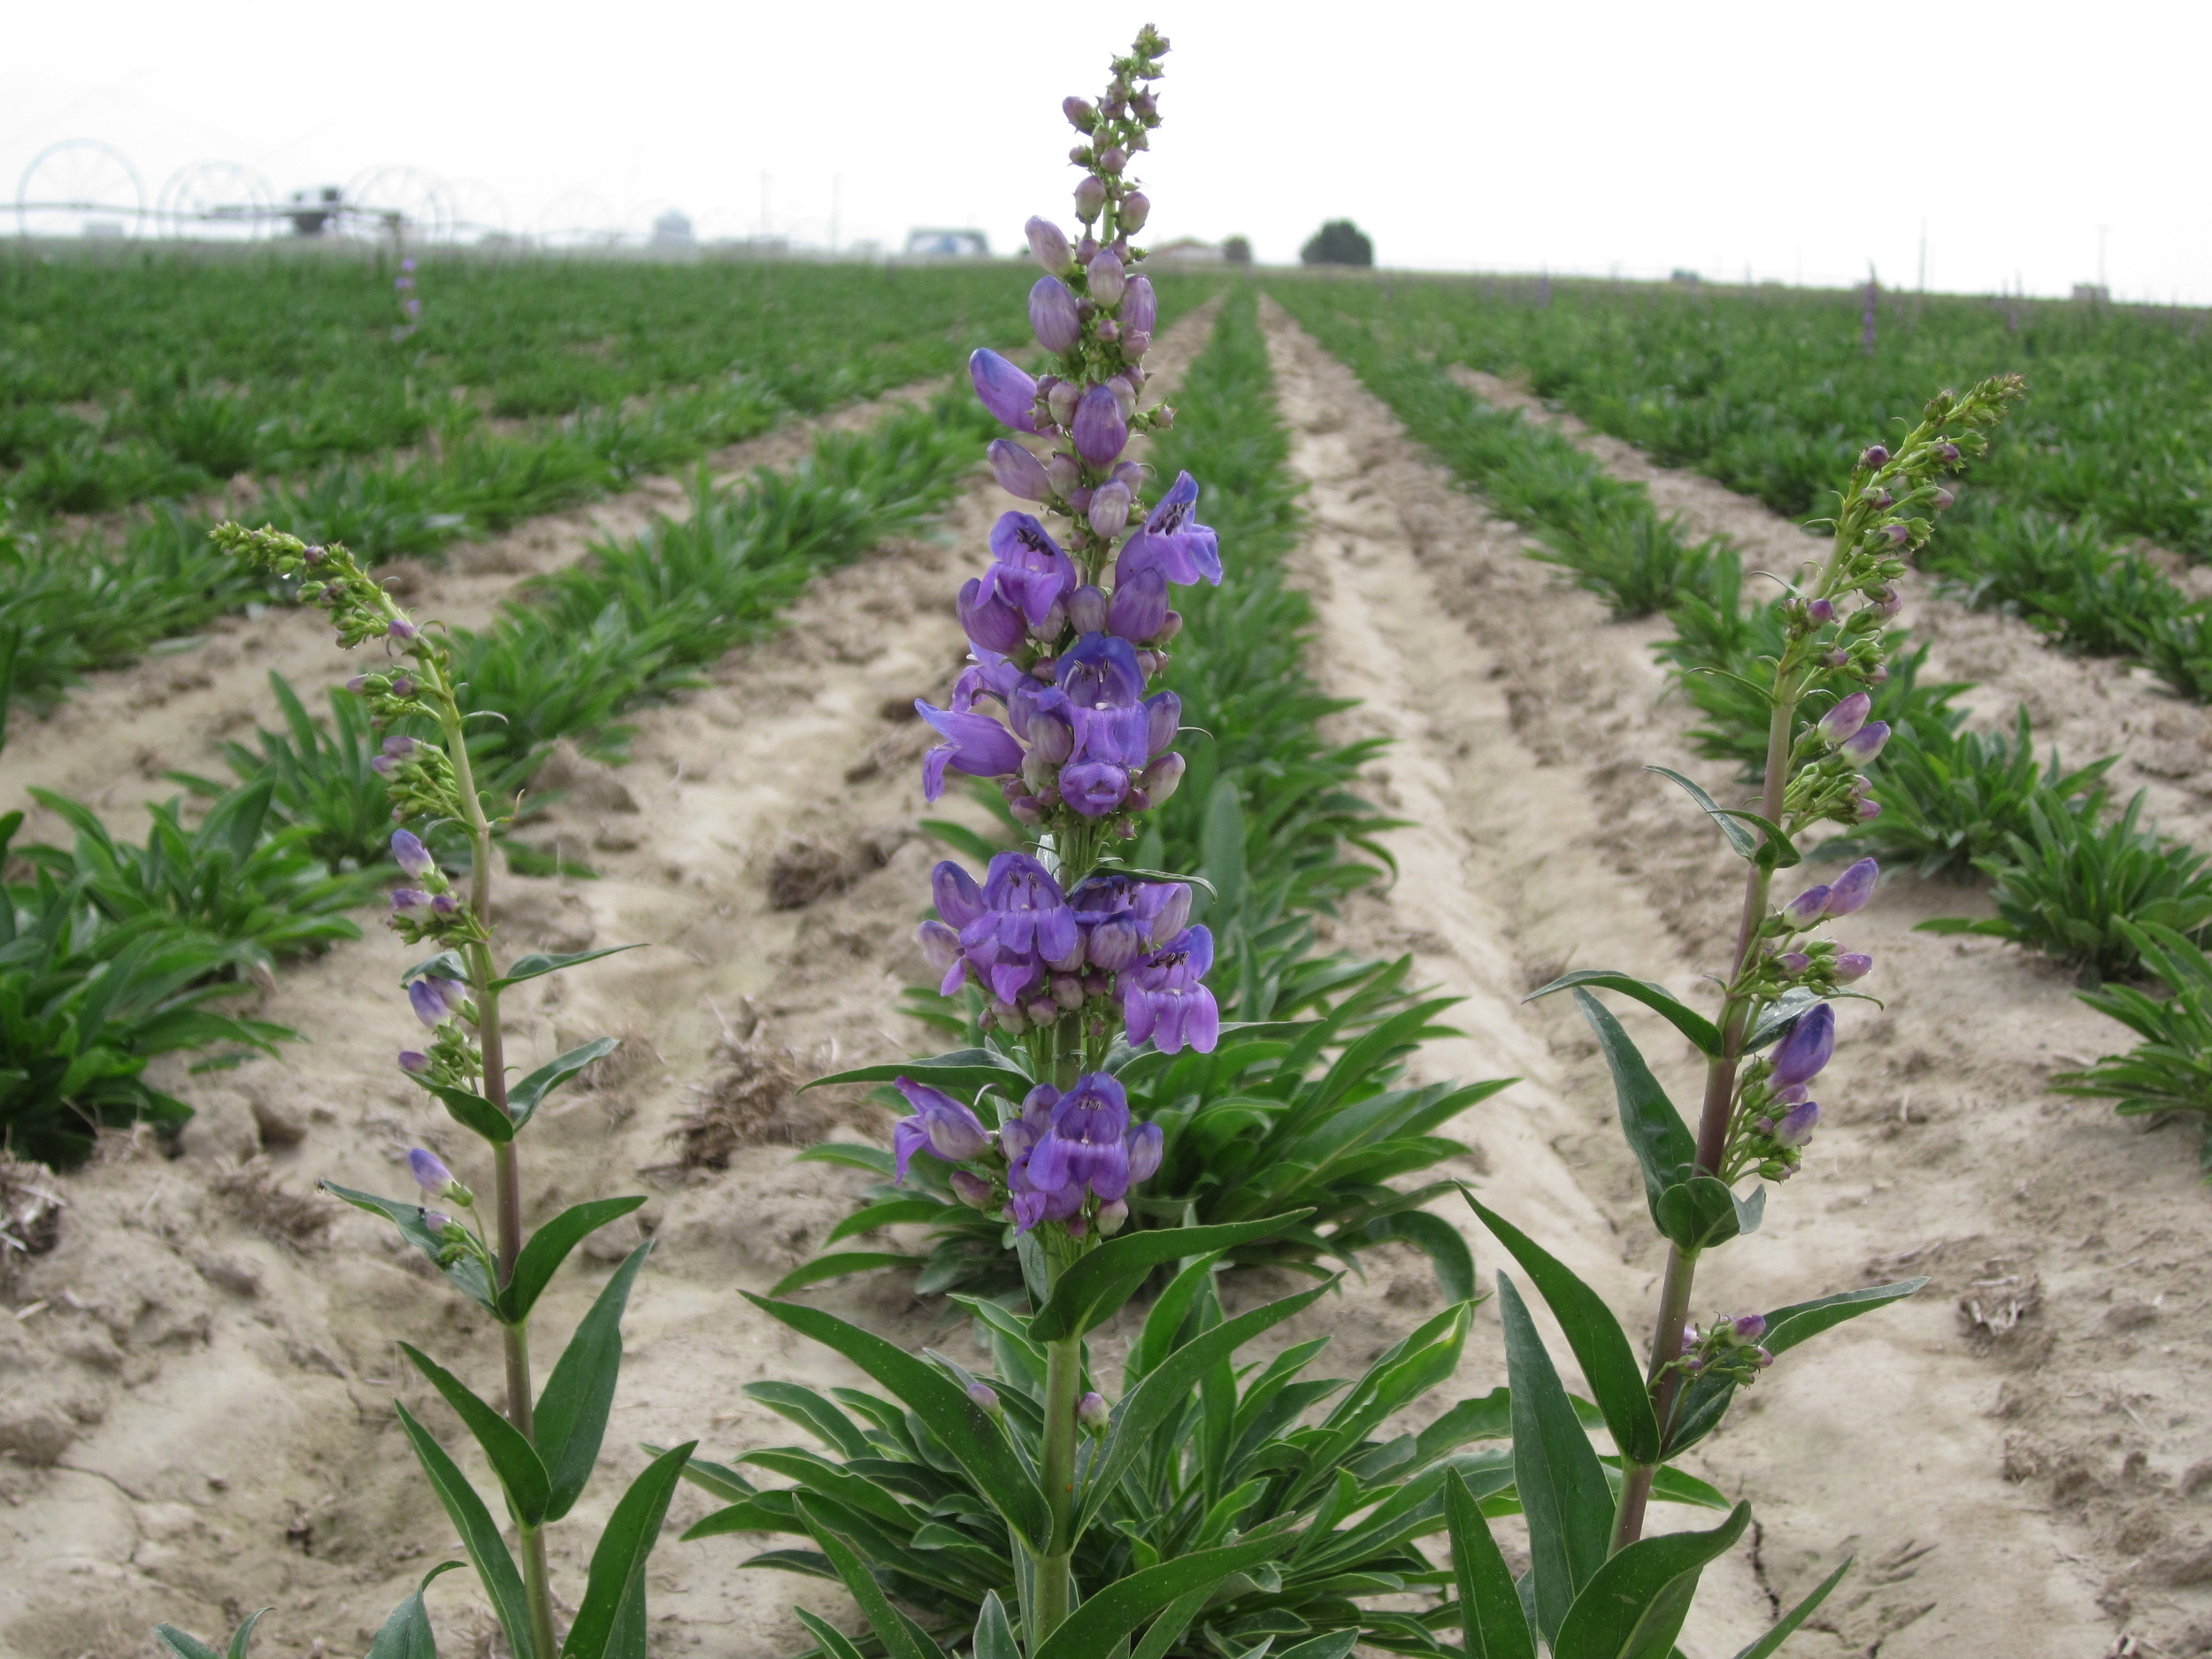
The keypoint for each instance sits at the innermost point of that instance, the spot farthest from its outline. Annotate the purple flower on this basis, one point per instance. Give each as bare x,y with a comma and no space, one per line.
991,621
1172,541
1864,745
1139,608
1807,908
941,947
1009,393
1163,907
1030,568
974,743
1100,672
1165,1000
436,1001
941,1127
1048,245
1052,315
1102,431
1853,964
1798,1057
1797,1124
1086,1144
1853,887
430,1174
1019,472
958,899
1844,720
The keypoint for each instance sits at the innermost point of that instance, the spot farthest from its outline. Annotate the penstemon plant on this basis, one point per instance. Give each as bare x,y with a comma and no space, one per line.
542,1448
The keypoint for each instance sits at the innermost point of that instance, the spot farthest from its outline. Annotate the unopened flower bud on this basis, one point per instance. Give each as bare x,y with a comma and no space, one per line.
1898,533
1808,1046
1086,605
972,1190
1867,811
1136,207
1867,743
1747,1327
1845,720
1109,331
1793,962
1019,472
1100,427
1851,964
1109,510
1855,887
1797,1126
1108,278
1090,199
436,1000
1807,908
1112,1217
1061,469
1820,612
400,629
1874,459
1112,161
1947,451
1889,601
1048,245
1062,399
429,1171
1125,396
986,1397
1144,106
1162,778
1052,315
1042,1010
1082,113
1091,1415
1941,498
414,1063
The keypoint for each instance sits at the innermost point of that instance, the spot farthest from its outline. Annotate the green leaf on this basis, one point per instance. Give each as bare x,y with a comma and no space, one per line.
523,1099
406,1633
513,1459
1743,840
183,1644
994,1633
1662,1142
901,1638
1692,1025
534,965
618,1565
832,1641
837,1265
1338,1644
1771,1642
1164,1323
475,1113
1095,1630
1634,1606
1600,1346
1090,1291
961,838
549,1246
1437,1240
1563,1487
446,964
1699,1212
890,1212
480,1535
465,1274
1221,848
1491,1617
572,1415
1168,1389
967,1431
968,1071
1174,1620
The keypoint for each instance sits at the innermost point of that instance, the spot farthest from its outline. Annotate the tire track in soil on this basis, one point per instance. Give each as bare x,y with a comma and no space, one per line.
200,1412
1523,722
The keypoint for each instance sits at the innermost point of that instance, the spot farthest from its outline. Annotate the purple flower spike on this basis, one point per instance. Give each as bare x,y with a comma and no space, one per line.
1866,744
1798,1124
434,1000
1101,432
1139,608
430,1174
1172,541
1844,720
1084,1146
1166,1001
1853,964
1798,1057
1009,393
1854,887
1807,908
1052,315
974,744
1048,245
1019,472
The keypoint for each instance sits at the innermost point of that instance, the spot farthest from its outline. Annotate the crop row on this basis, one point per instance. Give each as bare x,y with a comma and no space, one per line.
1770,392
2073,873
113,951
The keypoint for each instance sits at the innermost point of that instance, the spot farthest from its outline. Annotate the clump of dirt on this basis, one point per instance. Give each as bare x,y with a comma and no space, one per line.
30,1214
811,867
257,1191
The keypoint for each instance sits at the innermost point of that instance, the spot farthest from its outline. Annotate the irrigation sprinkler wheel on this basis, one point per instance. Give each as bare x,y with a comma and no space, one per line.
217,201
77,184
422,201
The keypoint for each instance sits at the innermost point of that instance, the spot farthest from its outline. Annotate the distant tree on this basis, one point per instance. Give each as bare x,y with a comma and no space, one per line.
1340,241
1237,249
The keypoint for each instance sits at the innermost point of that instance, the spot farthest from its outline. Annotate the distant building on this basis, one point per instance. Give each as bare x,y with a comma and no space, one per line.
947,244
672,229
2095,293
1187,250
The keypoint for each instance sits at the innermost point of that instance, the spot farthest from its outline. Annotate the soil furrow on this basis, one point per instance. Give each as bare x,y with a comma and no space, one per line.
1524,722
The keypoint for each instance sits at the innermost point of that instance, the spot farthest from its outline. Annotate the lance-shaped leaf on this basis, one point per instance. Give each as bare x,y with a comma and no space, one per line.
1561,1484
967,1430
614,1588
1771,849
406,1633
1492,1621
1656,1134
1090,1291
1600,1346
1787,1627
1692,1025
513,1459
475,1113
446,964
1706,1400
832,1640
523,1099
532,967
1634,1606
1098,1628
480,1535
837,1264
466,1274
901,1637
548,1247
889,1212
968,1071
993,1633
1437,1240
184,1645
572,1415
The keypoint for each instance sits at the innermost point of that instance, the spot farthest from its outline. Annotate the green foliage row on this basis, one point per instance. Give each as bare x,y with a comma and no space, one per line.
2069,876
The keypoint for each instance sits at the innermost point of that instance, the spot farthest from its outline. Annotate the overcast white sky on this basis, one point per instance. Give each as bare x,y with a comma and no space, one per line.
1793,139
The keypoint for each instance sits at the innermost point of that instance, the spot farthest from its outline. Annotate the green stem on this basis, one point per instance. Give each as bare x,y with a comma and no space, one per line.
1063,1383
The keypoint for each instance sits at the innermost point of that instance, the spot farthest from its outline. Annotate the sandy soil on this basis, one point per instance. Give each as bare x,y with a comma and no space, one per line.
194,1392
